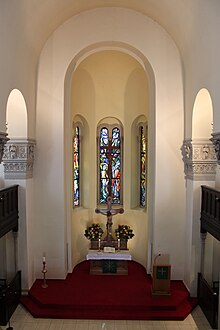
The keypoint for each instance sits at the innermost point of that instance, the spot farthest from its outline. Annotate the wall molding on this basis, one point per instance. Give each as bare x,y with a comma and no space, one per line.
199,159
18,158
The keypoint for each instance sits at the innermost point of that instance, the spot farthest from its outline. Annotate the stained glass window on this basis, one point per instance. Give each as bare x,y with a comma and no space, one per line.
143,174
110,165
76,169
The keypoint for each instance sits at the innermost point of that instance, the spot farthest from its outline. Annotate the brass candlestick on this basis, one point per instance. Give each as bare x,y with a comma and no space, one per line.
44,271
119,245
99,245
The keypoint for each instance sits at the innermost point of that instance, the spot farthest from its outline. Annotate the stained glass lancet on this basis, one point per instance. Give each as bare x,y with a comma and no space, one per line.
143,174
110,165
76,169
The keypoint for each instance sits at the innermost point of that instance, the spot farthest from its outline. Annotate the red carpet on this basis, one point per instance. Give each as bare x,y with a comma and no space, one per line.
84,296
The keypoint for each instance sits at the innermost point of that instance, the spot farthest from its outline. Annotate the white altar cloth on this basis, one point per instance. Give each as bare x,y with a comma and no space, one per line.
95,255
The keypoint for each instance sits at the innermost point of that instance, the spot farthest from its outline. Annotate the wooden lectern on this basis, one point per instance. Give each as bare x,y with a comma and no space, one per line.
161,279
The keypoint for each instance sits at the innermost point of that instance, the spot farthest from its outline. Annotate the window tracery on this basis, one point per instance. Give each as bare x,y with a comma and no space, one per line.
110,164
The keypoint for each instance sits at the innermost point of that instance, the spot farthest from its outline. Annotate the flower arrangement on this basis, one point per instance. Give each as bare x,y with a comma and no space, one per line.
93,232
124,232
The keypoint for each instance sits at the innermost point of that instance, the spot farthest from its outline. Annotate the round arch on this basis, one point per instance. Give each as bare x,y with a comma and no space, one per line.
62,52
142,60
202,117
16,115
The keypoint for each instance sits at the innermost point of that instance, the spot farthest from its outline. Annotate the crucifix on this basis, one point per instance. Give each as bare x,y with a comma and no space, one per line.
109,212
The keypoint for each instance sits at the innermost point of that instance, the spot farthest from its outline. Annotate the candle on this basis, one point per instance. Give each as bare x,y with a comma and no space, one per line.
44,259
119,244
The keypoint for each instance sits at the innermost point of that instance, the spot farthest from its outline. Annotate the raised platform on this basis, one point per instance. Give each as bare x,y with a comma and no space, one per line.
82,296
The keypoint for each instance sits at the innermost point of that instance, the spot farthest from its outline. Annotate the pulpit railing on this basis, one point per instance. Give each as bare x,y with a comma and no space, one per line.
208,301
8,209
210,211
10,286
208,296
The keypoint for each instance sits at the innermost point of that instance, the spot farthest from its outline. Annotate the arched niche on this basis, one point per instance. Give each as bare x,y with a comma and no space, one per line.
117,100
16,115
202,115
65,49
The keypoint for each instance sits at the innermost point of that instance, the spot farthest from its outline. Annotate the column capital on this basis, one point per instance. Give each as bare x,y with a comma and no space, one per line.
18,158
199,159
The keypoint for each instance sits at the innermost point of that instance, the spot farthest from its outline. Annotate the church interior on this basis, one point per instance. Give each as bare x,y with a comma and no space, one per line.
73,70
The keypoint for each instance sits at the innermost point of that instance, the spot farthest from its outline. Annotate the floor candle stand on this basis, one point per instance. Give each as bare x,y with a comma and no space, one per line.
44,271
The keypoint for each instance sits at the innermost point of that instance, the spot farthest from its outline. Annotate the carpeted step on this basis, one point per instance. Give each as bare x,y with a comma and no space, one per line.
83,295
83,313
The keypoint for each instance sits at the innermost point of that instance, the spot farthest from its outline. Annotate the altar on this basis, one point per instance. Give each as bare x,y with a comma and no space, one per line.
108,263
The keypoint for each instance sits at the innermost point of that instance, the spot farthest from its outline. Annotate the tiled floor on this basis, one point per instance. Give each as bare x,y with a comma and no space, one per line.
22,320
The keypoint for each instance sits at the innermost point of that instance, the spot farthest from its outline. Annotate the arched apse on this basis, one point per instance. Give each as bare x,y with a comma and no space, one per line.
122,96
16,115
65,49
202,115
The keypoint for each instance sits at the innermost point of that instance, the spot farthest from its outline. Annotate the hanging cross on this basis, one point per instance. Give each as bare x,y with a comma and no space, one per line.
109,212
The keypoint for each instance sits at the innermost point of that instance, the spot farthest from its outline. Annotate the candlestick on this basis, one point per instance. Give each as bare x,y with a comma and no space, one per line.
119,243
99,246
44,271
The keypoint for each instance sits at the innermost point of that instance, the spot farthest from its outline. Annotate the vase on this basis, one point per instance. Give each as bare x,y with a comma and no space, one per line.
123,244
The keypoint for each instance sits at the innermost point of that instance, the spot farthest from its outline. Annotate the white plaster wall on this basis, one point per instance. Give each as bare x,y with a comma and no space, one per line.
200,54
188,249
18,61
89,28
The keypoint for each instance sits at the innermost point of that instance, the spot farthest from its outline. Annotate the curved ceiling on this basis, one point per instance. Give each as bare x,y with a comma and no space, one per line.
41,17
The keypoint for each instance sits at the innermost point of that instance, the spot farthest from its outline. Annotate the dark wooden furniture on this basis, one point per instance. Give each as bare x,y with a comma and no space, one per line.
10,293
210,211
208,296
161,280
10,286
108,267
208,301
8,209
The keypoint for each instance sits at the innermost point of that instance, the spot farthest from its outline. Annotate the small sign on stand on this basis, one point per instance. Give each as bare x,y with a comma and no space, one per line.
161,278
